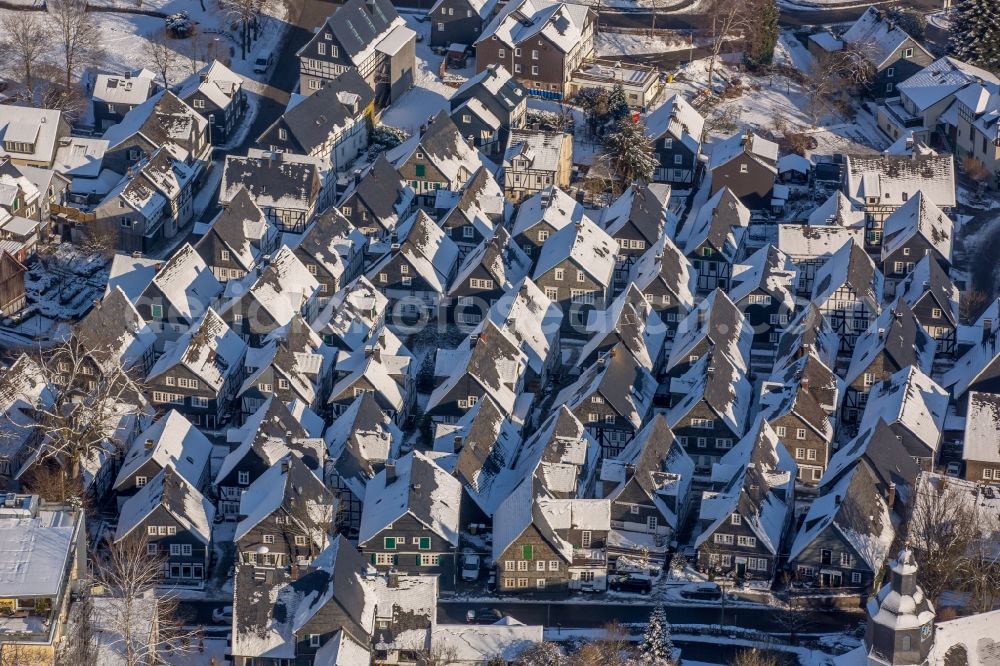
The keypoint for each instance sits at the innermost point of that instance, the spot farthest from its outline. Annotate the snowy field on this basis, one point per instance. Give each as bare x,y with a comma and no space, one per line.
610,44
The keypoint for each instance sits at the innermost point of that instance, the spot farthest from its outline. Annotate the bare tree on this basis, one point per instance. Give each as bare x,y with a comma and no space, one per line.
248,14
940,532
76,34
725,21
50,481
163,56
983,572
88,393
754,656
614,649
79,645
25,42
139,617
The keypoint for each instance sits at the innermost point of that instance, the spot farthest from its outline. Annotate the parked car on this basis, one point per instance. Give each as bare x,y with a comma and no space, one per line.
483,616
706,591
954,469
261,65
631,583
470,567
491,582
223,615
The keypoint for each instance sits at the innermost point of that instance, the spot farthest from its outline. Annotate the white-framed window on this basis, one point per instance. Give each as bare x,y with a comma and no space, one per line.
560,274
748,541
268,538
540,583
151,548
243,478
781,431
744,168
175,549
553,565
140,481
509,565
313,640
736,519
384,558
540,565
522,565
634,509
678,159
724,539
300,540
855,577
800,433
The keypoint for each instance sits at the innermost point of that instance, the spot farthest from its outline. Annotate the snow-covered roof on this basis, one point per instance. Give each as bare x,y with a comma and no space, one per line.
719,323
838,210
885,179
171,440
982,423
878,36
210,350
850,266
292,486
501,258
129,88
897,334
806,241
543,151
721,223
927,277
177,496
431,253
561,23
552,206
678,119
586,244
216,82
482,643
186,282
36,552
416,486
768,269
856,510
759,149
723,387
38,128
912,400
940,79
620,380
794,162
489,357
445,149
643,207
529,318
282,289
919,215
631,321
361,439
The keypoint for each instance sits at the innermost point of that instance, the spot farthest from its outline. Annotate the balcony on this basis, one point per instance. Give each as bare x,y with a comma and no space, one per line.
589,557
898,114
26,620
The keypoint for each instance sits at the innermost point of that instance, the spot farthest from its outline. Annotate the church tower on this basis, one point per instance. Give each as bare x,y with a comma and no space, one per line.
900,628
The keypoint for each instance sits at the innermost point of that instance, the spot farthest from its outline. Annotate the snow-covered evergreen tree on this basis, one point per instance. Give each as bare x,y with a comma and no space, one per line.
975,33
617,104
630,152
657,647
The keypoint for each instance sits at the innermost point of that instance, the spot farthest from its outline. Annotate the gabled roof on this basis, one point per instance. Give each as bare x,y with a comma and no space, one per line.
678,119
757,148
505,262
529,318
494,84
909,399
918,216
586,244
177,496
489,442
620,380
809,332
363,365
243,228
768,269
561,23
896,333
292,487
209,350
657,462
414,486
718,321
720,223
811,375
358,26
39,127
665,262
282,288
839,211
778,399
886,178
552,206
491,358
927,277
856,510
273,180
542,150
443,146
113,331
760,491
878,36
171,440
382,190
850,266
644,206
879,449
362,439
216,82
330,110
163,118
979,363
352,315
721,385
940,79
187,283
630,321
431,253
808,241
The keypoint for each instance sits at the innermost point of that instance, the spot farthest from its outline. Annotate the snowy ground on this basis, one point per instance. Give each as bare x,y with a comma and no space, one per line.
776,104
430,93
610,44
